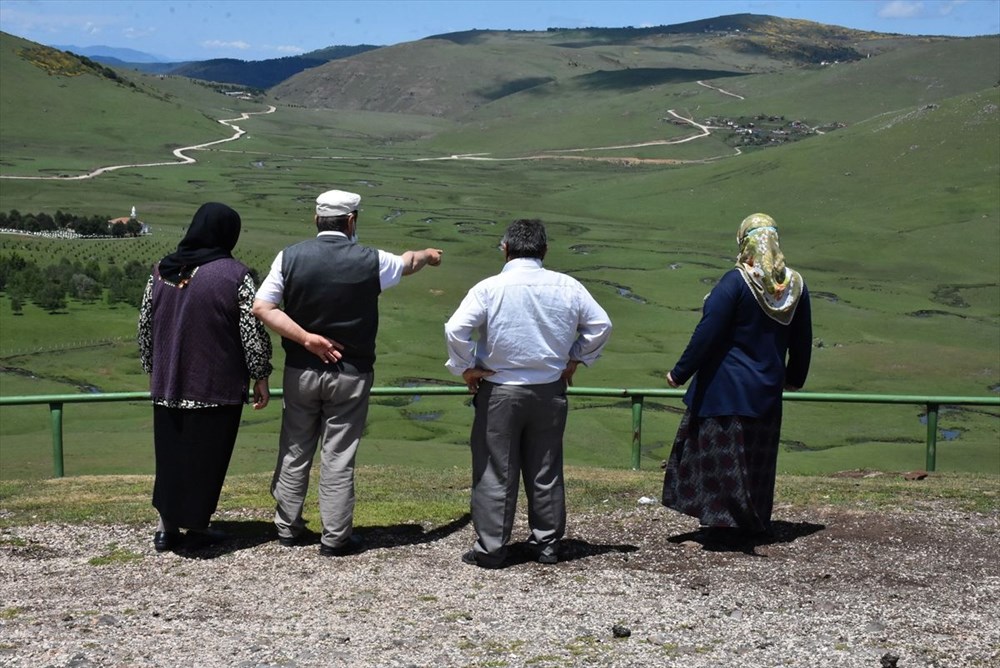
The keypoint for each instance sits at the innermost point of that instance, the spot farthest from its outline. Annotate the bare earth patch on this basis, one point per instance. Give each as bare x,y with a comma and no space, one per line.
834,588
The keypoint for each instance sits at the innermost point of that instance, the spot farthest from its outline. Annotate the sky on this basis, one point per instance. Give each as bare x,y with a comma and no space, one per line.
178,30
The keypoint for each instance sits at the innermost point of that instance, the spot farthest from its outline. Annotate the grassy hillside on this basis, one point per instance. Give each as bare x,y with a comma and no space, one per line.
59,117
893,220
456,74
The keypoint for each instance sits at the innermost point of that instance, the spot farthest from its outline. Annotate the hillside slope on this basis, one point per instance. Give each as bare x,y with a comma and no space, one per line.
454,74
61,113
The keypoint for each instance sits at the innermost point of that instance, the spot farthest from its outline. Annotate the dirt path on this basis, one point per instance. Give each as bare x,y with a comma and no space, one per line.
179,153
724,92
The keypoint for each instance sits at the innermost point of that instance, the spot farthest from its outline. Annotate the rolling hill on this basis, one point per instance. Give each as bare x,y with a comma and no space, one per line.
454,74
629,144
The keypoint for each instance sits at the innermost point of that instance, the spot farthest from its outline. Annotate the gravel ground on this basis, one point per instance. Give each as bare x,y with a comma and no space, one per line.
834,588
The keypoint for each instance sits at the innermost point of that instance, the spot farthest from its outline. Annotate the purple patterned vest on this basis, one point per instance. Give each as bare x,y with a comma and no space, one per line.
197,349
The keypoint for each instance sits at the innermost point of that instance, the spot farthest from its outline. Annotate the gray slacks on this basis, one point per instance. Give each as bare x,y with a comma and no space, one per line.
518,430
329,409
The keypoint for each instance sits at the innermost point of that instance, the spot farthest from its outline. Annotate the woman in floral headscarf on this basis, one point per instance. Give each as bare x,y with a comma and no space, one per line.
722,466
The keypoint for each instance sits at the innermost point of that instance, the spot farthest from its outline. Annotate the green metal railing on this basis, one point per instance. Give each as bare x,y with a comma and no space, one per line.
636,395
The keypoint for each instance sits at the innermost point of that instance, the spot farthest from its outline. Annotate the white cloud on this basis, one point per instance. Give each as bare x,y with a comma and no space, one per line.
219,44
289,49
138,33
947,7
902,9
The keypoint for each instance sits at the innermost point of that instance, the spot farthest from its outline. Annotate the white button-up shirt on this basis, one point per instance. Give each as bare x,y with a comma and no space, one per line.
528,323
390,272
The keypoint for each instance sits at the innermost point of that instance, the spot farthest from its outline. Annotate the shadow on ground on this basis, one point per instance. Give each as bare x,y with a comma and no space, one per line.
732,540
227,537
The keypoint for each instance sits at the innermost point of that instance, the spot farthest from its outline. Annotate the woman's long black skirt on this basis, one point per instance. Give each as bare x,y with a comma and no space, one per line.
193,448
722,470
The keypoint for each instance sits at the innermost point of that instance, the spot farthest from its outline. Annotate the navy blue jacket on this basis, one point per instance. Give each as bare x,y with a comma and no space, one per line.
737,353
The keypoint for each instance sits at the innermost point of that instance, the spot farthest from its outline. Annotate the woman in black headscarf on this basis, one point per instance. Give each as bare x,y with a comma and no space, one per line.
201,343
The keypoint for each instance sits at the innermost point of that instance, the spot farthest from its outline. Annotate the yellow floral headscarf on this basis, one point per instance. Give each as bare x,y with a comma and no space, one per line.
762,264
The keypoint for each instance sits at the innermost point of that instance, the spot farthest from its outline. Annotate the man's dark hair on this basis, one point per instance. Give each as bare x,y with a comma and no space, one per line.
526,238
332,223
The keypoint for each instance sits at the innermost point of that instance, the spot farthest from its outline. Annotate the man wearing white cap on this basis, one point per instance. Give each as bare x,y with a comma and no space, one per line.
327,289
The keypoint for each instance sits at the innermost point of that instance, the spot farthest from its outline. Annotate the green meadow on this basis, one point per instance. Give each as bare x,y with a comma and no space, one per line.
893,219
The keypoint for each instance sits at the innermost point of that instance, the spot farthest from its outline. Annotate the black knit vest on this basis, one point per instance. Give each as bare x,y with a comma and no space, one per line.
197,348
331,287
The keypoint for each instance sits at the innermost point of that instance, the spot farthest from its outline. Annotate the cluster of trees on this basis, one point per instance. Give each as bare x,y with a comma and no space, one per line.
85,226
69,64
50,286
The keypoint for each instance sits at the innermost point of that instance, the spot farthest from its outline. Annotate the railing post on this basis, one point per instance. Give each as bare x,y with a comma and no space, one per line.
932,421
636,430
56,410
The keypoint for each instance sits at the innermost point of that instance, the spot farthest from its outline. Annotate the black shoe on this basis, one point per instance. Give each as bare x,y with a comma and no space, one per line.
289,541
198,539
353,544
166,541
547,554
471,559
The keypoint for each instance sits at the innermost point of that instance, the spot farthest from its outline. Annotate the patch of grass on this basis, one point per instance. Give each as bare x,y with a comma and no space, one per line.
115,555
400,495
965,491
10,613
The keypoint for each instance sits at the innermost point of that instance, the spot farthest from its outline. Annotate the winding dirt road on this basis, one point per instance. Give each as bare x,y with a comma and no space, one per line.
180,153
554,154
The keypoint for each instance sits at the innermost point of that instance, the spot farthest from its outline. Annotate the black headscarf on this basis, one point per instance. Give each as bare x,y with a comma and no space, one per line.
212,235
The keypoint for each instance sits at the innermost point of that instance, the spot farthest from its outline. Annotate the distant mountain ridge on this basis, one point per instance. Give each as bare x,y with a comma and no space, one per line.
103,54
264,73
251,73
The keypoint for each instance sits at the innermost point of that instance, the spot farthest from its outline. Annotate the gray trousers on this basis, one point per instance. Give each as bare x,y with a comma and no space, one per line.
518,430
326,408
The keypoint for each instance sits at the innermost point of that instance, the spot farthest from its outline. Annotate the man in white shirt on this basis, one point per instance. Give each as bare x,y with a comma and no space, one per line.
517,339
321,296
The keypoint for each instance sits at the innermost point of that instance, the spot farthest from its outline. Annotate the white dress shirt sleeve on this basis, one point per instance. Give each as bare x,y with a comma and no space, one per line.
273,286
593,331
390,269
469,316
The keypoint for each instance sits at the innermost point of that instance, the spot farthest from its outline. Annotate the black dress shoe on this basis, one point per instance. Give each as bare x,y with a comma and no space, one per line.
353,544
548,558
472,559
198,539
289,541
165,541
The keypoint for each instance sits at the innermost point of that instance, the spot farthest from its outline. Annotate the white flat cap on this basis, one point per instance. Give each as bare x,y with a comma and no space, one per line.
337,203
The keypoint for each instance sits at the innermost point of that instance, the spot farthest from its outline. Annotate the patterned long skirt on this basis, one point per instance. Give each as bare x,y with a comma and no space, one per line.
721,470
